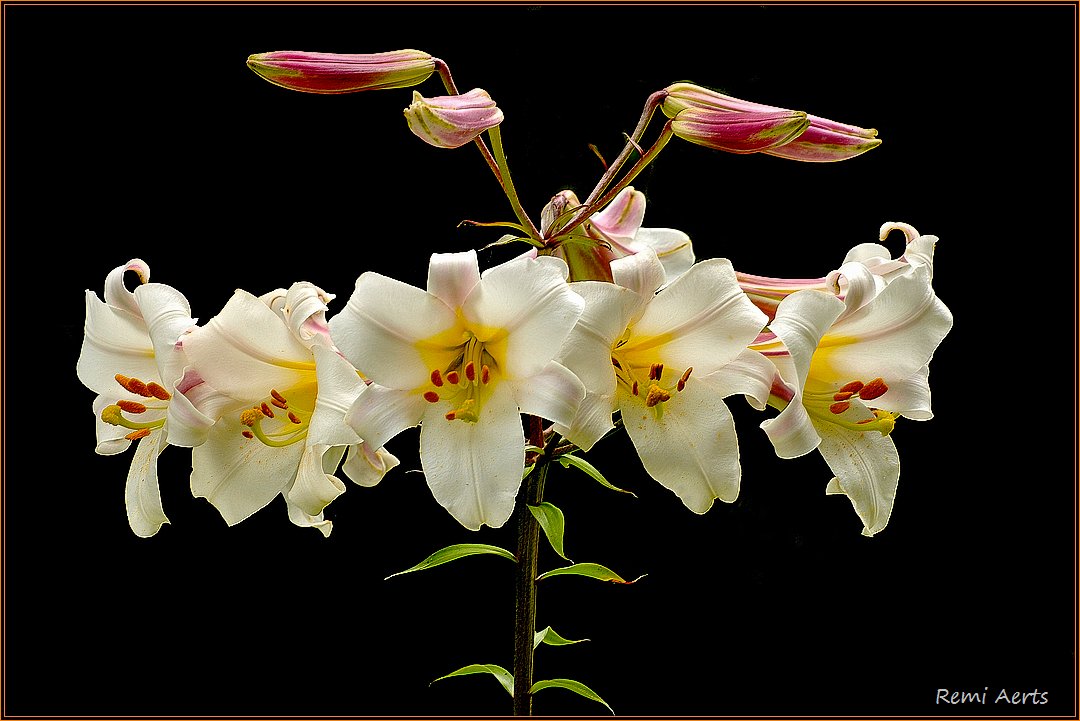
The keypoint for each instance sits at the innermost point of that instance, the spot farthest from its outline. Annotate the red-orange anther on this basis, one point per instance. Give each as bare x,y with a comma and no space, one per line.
158,391
294,418
453,377
485,375
685,377
131,406
277,396
852,387
842,395
436,378
136,435
873,389
451,415
266,411
431,397
633,388
280,404
247,434
840,407
470,371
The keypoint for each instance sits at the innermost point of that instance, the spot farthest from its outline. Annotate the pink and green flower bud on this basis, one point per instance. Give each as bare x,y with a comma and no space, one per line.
824,141
450,121
332,73
739,132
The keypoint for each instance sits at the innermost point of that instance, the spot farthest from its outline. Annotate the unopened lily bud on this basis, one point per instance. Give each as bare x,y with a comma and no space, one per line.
824,141
739,132
450,121
331,73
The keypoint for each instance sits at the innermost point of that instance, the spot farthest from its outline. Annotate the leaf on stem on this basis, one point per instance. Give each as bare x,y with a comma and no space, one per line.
570,685
551,638
591,570
567,459
552,521
511,238
452,553
504,677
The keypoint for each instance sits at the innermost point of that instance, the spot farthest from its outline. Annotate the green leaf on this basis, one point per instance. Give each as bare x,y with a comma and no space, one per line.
551,638
510,238
504,677
566,460
452,553
592,570
552,521
570,685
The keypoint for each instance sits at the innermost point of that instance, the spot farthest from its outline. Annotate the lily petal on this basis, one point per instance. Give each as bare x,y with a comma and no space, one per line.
141,494
554,393
532,309
452,276
114,341
673,248
380,340
237,475
750,374
313,489
691,447
641,272
703,319
366,467
620,220
867,469
339,387
299,518
380,413
474,469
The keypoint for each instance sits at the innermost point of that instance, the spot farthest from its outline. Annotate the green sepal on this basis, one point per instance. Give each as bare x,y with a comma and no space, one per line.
552,521
592,570
504,677
549,637
452,553
511,238
566,460
570,685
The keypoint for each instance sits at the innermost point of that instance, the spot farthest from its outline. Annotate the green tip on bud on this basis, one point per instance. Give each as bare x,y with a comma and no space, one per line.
823,140
333,73
451,121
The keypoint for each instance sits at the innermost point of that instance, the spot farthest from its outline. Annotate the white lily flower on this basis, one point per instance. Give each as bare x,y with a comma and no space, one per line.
284,432
612,233
463,359
666,361
850,368
131,359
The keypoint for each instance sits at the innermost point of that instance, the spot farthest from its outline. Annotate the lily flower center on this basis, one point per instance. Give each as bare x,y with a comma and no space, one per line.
114,414
650,385
464,383
830,406
277,422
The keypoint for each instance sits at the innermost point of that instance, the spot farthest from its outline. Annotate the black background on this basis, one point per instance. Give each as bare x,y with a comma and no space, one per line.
137,131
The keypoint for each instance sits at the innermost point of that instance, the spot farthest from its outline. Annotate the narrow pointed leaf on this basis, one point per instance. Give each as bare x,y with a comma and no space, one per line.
552,521
551,638
504,677
590,470
570,685
591,570
452,553
510,238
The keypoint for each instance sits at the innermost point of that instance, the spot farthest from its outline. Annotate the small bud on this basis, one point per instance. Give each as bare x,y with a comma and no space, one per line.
823,141
330,73
739,132
450,121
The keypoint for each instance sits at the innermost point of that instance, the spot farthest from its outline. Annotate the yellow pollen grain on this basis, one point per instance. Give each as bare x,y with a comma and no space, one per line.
656,396
158,391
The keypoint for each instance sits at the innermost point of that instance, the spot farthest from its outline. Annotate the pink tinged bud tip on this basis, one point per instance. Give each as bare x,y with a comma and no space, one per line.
332,73
823,140
451,121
